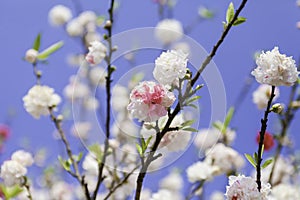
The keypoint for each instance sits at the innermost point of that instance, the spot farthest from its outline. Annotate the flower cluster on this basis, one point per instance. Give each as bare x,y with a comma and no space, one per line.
14,170
168,31
39,99
170,66
262,95
245,188
274,68
149,101
97,52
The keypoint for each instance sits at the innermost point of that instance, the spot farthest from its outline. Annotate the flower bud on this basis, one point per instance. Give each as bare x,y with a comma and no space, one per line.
295,104
31,55
107,24
277,108
59,118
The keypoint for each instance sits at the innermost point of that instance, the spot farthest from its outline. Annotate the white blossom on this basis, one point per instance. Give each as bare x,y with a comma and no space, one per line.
23,157
206,138
12,172
262,95
75,89
92,36
90,164
217,196
91,103
61,191
170,66
87,17
97,76
59,15
245,188
74,28
81,129
200,171
38,100
274,68
168,31
172,182
97,52
120,98
31,55
182,46
166,195
285,192
225,158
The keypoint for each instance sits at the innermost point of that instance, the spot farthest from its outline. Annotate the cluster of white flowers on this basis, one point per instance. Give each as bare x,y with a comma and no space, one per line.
170,66
81,129
168,31
97,52
82,25
225,158
97,76
14,170
262,95
39,99
245,188
200,171
285,192
59,15
274,68
76,90
149,101
206,138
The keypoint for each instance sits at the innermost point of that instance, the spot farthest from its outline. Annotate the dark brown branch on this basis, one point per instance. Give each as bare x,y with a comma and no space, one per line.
261,138
108,27
177,109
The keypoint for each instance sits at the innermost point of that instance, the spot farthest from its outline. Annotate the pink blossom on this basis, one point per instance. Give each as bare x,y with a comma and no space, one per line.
149,101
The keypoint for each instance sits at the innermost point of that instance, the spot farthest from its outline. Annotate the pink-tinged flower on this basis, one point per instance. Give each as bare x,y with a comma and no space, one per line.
149,101
245,188
97,52
4,132
268,140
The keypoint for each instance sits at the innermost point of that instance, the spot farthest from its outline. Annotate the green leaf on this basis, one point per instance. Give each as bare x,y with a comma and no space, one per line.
37,42
50,50
193,106
190,129
255,157
218,125
100,20
11,192
139,149
230,13
96,150
187,123
239,21
267,163
206,13
66,164
148,140
250,159
195,98
229,116
78,157
143,144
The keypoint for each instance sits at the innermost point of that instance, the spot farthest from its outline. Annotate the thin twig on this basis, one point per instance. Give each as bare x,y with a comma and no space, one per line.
108,98
121,183
261,138
75,174
177,109
286,121
27,186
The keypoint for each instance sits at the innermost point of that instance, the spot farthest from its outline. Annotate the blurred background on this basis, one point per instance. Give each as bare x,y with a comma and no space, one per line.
269,23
